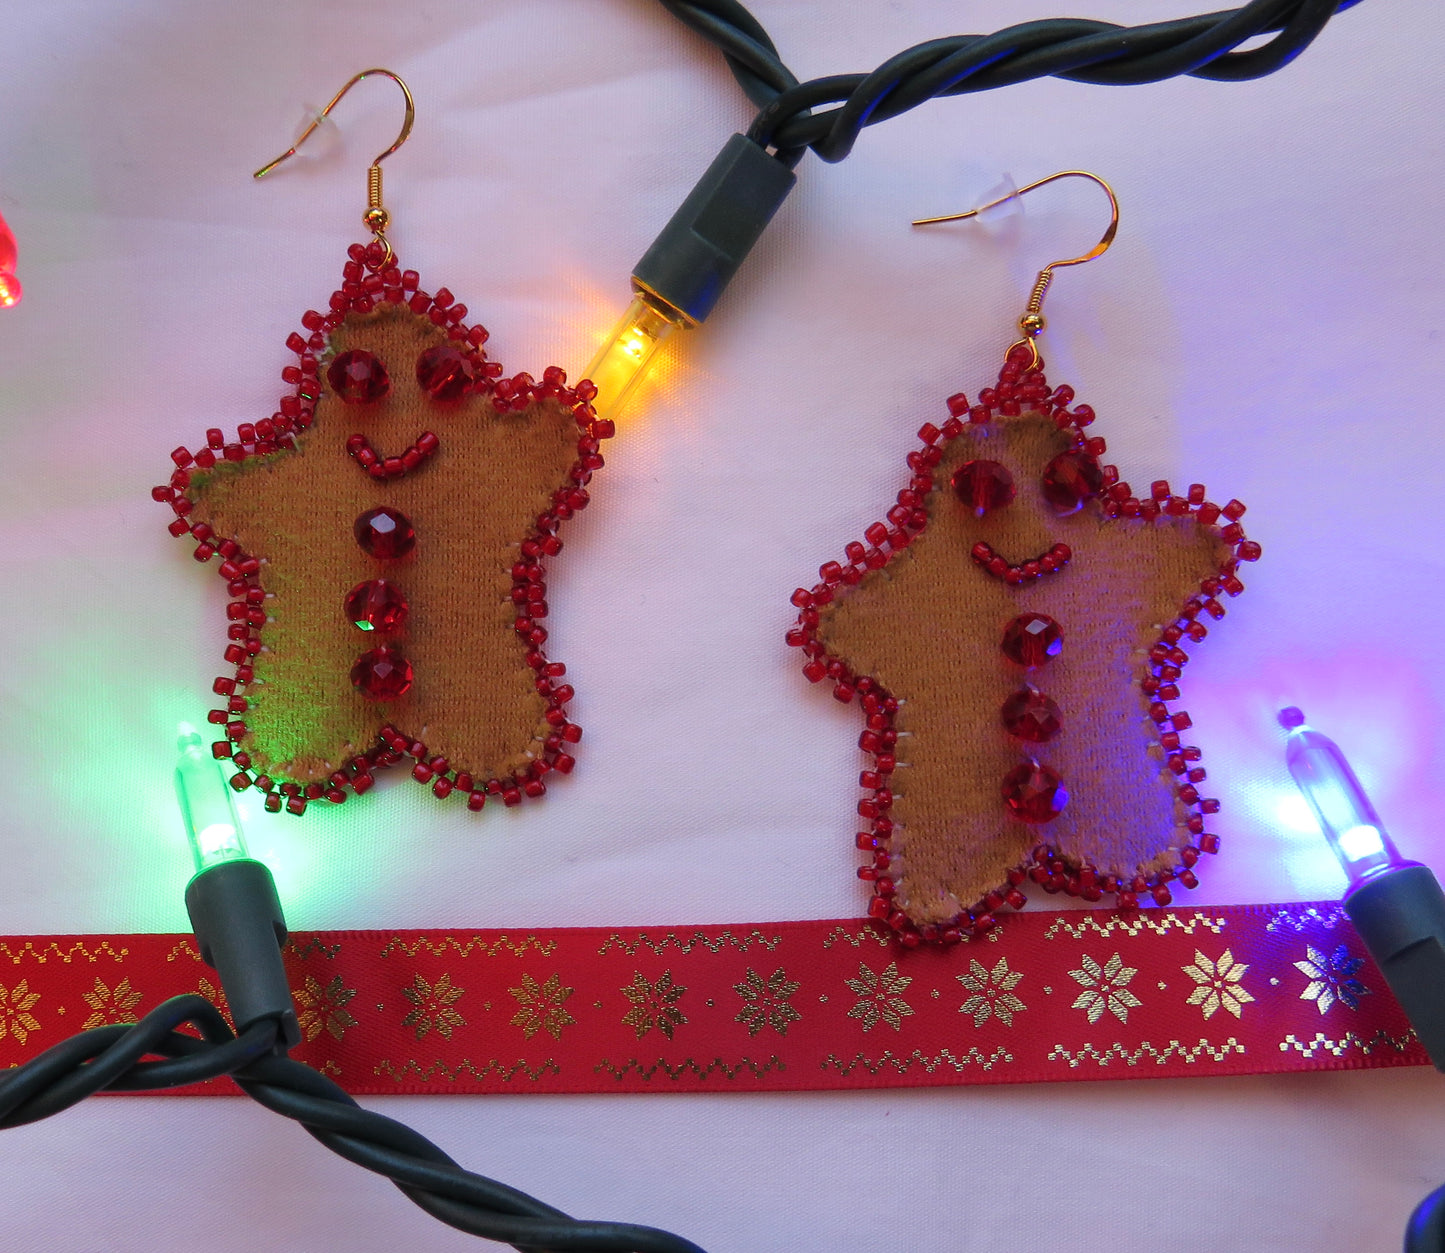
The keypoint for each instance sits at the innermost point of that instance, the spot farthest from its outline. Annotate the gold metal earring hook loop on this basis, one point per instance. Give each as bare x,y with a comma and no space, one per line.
376,217
1032,321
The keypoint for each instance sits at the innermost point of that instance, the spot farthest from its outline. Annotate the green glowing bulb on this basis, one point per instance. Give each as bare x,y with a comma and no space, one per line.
207,805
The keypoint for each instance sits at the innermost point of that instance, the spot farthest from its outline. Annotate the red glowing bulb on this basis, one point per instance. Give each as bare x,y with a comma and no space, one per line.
10,290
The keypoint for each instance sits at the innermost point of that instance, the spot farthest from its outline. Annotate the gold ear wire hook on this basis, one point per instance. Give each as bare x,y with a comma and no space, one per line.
1032,321
376,217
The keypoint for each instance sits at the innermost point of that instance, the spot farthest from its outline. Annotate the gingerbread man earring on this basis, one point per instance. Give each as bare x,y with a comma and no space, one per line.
383,536
1015,634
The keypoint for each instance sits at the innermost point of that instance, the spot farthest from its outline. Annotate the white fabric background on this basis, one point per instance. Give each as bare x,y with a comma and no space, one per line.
1270,323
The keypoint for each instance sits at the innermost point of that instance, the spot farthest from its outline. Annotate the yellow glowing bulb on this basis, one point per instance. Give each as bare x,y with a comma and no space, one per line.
625,355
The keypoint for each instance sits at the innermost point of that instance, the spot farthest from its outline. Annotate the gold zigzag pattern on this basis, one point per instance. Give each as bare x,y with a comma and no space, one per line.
1136,925
67,955
713,944
716,1066
1305,920
839,934
1187,1053
929,1064
397,945
184,949
1349,1040
302,951
452,1073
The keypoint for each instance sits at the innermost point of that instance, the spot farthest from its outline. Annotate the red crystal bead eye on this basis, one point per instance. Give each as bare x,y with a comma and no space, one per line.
983,486
444,374
382,674
1032,716
358,377
1031,639
1070,479
1034,793
376,605
385,532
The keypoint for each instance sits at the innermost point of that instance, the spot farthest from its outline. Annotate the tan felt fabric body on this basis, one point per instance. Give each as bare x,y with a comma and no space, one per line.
474,697
928,626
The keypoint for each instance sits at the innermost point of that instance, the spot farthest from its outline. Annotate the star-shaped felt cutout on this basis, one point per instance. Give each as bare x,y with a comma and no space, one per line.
394,405
1095,791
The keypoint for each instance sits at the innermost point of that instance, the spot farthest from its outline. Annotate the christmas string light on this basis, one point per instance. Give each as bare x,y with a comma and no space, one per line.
684,272
1396,905
232,900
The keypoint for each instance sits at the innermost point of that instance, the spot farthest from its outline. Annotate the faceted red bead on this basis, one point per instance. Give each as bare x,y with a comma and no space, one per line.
376,605
983,486
1031,639
1032,716
1070,479
382,674
358,377
444,373
385,532
1034,793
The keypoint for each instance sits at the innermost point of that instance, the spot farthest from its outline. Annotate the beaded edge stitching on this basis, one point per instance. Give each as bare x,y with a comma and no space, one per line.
370,279
1023,389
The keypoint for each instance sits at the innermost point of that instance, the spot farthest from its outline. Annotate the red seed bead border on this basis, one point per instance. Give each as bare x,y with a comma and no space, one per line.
1023,389
368,282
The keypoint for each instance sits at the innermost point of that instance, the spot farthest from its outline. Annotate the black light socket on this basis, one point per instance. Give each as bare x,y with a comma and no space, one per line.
1400,915
713,230
236,915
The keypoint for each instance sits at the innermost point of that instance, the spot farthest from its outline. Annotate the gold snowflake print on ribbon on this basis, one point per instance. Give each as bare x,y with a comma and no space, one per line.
1331,978
15,1006
541,1006
217,997
766,1004
1218,983
993,992
433,1004
110,1005
654,1004
880,997
322,1009
1105,987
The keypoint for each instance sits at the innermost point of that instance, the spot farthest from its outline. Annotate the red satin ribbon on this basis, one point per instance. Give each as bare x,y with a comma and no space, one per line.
786,1006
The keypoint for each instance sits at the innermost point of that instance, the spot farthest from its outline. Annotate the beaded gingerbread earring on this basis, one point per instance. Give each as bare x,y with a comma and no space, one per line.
1013,633
383,537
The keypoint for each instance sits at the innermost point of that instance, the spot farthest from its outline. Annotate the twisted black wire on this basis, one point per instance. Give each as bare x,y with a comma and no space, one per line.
1426,1232
429,1177
1078,49
744,43
110,1058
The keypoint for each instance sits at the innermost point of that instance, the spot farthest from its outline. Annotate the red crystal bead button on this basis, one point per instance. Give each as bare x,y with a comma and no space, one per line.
382,674
1032,716
444,374
983,486
358,377
385,532
376,605
1070,479
1034,793
1031,639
